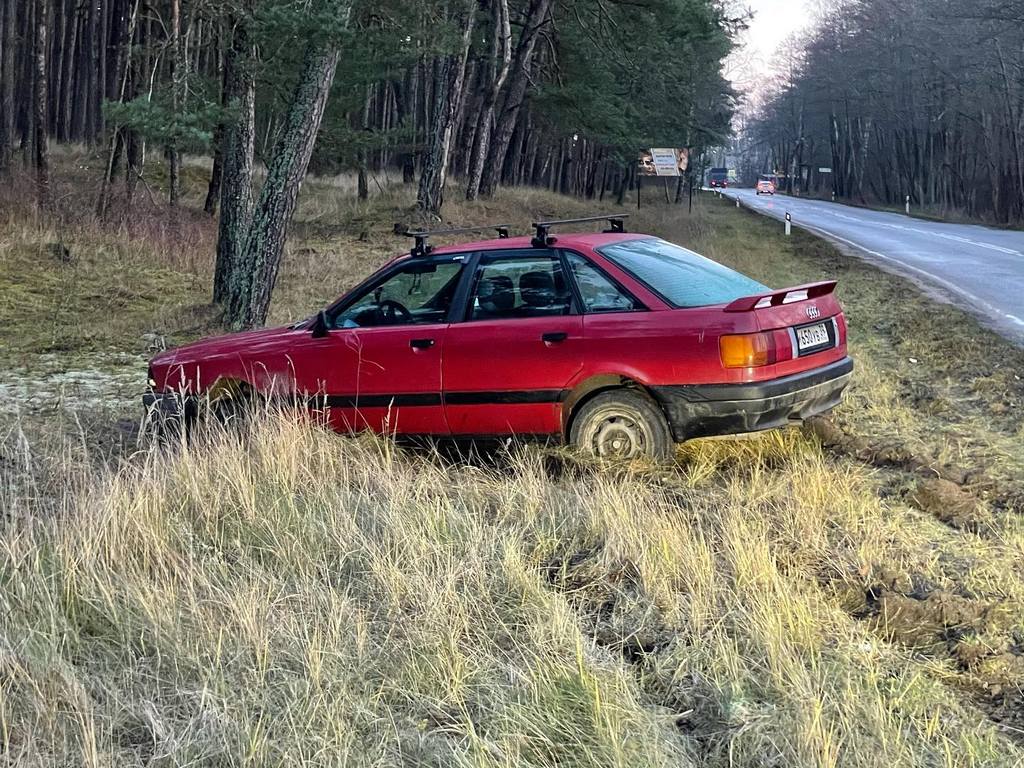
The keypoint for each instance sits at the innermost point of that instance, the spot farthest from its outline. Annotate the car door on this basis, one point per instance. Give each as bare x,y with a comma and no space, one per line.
506,366
379,364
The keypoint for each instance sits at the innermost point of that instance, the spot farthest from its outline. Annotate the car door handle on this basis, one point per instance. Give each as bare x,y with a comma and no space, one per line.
553,337
421,343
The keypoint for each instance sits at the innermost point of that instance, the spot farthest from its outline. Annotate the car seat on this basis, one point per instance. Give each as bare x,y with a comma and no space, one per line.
496,297
540,296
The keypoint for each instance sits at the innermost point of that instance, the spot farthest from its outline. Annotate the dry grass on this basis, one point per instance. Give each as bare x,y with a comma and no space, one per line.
292,597
338,602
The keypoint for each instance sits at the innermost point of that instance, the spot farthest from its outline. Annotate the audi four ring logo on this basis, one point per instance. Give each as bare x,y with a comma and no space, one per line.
813,312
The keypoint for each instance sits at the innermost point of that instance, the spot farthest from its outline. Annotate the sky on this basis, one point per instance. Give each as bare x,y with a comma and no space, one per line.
772,23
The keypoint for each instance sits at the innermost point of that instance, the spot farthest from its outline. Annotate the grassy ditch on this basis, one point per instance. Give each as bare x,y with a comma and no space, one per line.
850,594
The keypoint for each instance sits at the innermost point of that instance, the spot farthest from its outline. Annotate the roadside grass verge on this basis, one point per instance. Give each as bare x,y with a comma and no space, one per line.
791,599
338,601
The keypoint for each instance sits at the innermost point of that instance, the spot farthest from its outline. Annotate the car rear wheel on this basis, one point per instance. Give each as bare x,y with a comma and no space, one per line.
621,424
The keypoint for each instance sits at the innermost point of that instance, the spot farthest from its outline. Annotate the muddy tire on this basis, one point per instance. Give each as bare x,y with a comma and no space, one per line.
621,424
233,410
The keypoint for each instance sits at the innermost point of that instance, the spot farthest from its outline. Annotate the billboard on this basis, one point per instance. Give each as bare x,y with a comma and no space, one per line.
664,162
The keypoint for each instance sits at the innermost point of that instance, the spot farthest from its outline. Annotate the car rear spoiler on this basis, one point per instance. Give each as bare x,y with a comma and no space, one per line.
785,296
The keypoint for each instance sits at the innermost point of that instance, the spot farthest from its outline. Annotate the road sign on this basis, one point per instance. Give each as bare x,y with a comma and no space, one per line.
824,170
664,162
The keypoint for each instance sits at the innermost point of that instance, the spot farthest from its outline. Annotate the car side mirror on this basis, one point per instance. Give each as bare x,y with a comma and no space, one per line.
320,325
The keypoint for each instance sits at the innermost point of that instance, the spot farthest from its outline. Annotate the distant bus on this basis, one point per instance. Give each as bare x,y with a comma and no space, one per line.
718,177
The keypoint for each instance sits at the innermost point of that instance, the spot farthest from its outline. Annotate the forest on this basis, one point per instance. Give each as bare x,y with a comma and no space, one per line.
902,98
557,93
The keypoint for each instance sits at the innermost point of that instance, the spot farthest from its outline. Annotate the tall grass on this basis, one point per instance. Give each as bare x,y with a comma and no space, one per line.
292,597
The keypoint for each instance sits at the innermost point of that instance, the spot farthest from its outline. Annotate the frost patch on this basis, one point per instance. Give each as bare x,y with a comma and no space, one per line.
104,380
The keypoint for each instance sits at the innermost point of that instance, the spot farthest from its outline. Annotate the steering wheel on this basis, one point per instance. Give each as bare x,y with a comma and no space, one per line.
391,310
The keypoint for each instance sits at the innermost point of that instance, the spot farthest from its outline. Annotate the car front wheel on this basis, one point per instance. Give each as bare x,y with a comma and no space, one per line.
621,424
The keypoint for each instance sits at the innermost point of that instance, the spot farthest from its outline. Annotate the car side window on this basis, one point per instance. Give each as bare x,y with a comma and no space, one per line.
419,293
598,292
516,286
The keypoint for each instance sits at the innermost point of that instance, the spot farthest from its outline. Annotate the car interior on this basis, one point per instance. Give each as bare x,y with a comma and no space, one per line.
541,293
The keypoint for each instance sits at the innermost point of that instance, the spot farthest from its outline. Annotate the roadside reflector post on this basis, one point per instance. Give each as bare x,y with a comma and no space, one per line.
908,205
789,223
737,202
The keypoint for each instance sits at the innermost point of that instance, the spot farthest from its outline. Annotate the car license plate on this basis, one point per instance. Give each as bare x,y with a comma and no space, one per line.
811,336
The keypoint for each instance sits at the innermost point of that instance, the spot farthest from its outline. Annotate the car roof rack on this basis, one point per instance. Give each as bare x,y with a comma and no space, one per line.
542,237
422,248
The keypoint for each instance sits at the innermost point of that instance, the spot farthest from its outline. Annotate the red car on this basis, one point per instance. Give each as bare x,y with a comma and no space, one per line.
766,186
621,344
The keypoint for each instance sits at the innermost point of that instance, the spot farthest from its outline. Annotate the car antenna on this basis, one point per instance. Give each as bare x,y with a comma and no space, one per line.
542,237
422,248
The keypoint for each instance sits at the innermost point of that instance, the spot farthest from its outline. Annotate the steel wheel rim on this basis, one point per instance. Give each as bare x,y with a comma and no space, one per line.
617,433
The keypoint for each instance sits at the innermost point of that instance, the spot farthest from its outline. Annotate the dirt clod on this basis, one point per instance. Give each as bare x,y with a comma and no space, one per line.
951,504
922,623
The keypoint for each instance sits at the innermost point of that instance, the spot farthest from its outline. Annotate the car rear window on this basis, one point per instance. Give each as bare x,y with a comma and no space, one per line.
681,277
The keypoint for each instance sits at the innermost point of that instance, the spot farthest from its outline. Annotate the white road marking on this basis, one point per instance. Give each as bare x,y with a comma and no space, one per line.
934,278
916,230
947,284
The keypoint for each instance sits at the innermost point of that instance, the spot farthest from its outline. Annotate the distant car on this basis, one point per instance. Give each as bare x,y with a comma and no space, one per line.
718,177
621,344
765,186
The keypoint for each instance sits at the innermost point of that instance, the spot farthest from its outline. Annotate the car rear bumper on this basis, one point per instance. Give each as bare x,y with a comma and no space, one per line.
703,410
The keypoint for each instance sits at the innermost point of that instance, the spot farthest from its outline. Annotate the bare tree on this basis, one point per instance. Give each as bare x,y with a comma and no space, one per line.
7,45
450,71
177,92
502,46
518,82
250,272
42,157
237,147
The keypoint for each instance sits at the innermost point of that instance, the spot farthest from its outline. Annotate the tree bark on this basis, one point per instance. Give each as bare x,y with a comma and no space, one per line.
217,172
363,187
519,81
238,143
448,92
42,159
67,61
481,146
92,94
7,89
117,138
177,84
260,257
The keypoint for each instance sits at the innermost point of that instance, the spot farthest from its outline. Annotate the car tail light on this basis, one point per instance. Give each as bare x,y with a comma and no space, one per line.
748,350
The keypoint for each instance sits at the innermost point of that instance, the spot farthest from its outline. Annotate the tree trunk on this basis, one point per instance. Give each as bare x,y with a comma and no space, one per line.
117,139
177,84
363,191
68,56
260,257
92,94
519,81
42,160
481,146
139,67
7,88
238,143
448,92
217,172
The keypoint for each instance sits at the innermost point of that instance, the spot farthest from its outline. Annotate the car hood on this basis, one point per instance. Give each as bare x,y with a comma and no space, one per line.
232,344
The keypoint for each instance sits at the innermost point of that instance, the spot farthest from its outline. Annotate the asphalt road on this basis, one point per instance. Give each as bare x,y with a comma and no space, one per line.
978,268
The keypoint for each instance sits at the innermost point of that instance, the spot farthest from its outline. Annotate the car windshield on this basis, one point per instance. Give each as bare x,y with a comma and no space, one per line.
683,278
